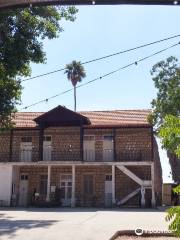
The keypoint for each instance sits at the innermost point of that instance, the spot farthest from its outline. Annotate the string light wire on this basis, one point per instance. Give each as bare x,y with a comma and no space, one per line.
103,76
104,57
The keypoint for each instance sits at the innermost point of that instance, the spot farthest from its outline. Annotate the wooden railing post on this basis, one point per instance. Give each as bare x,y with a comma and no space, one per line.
114,143
81,142
41,135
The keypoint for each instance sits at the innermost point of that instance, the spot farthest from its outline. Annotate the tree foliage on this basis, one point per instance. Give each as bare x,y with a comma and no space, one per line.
22,32
174,216
166,108
166,119
170,134
166,77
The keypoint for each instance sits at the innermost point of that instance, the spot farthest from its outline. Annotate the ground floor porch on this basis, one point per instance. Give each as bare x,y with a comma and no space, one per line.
129,184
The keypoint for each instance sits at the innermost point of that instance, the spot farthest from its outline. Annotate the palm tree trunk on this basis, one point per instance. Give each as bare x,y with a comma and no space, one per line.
75,98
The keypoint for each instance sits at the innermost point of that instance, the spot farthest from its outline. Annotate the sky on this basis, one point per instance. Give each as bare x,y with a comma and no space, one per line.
99,31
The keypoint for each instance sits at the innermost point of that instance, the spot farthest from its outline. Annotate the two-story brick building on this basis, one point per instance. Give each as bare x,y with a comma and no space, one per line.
95,158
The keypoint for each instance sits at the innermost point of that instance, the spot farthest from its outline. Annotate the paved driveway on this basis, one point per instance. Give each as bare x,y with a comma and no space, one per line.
74,224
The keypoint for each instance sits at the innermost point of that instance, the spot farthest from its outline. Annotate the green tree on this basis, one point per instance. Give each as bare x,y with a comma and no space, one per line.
75,73
170,134
174,216
166,119
166,77
22,32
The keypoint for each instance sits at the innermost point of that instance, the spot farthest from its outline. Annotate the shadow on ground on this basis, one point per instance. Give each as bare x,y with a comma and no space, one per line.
8,226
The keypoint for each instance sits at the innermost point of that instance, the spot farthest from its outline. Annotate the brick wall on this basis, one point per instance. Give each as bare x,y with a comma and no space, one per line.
123,185
132,144
4,146
65,143
136,141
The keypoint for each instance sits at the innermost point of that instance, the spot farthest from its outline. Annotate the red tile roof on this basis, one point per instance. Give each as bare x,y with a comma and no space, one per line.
97,118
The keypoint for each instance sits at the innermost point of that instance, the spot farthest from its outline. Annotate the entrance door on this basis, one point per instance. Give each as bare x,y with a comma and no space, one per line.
66,189
89,148
108,152
47,148
108,191
26,151
23,190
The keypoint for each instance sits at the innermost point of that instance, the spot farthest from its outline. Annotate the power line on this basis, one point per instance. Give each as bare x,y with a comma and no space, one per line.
104,57
103,76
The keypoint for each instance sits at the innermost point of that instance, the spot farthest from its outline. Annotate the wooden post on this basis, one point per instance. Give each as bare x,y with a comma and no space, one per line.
152,145
41,135
81,142
114,143
143,201
48,184
113,184
73,201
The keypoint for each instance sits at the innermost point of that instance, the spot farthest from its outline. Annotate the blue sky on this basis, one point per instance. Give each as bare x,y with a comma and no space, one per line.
98,31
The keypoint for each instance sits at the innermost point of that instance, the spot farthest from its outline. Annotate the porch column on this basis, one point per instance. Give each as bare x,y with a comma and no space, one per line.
48,183
143,202
73,186
113,185
153,199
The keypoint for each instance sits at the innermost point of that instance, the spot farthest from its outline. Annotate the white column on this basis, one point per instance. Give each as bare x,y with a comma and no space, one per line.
73,186
113,184
143,201
48,183
153,199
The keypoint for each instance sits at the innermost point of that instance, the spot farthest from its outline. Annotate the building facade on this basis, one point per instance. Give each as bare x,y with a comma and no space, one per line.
64,158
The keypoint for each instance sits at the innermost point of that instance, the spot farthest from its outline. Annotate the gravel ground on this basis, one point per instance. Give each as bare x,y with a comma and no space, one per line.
145,238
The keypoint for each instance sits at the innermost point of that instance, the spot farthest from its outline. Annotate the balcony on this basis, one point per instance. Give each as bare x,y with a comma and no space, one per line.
52,154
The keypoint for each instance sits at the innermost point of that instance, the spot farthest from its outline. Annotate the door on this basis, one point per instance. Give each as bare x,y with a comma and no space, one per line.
66,189
108,149
26,149
23,190
108,190
47,148
89,148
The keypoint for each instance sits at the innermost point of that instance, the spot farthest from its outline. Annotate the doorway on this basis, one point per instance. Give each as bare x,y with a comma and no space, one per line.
23,190
108,191
66,189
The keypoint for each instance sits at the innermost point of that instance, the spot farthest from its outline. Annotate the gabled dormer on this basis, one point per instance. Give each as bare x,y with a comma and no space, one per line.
61,116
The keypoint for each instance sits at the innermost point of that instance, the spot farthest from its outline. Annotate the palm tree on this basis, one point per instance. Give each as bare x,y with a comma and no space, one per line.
75,73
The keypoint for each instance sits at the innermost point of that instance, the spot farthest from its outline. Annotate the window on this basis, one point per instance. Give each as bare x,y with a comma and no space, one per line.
47,138
43,185
24,177
108,177
108,138
89,137
88,184
26,139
